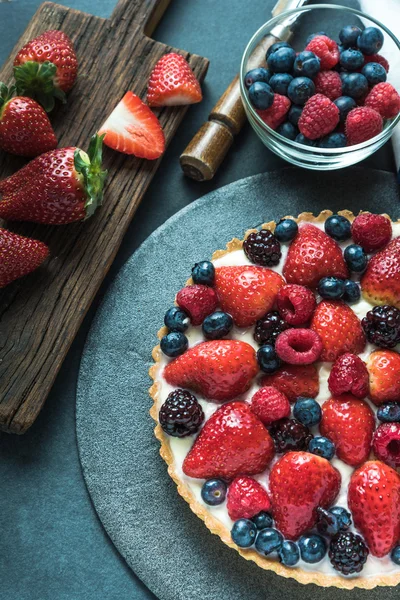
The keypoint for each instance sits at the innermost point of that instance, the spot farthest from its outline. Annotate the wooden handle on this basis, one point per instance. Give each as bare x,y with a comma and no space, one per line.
206,151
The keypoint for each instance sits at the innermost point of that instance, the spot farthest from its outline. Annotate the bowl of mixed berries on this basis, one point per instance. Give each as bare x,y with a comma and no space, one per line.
327,101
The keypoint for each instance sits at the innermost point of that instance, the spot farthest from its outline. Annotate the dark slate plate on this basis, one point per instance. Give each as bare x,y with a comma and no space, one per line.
166,545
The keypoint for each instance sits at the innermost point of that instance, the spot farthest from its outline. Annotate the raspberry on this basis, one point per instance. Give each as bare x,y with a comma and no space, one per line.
319,117
377,58
362,124
262,248
276,114
371,232
382,326
181,414
349,374
329,84
246,498
348,552
384,99
326,49
299,346
289,434
296,304
386,444
198,301
268,328
269,404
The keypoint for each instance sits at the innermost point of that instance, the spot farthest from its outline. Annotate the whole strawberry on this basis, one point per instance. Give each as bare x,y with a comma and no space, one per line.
380,283
198,301
294,381
374,500
25,128
218,369
371,231
246,498
173,83
46,67
58,187
349,374
232,442
19,256
384,376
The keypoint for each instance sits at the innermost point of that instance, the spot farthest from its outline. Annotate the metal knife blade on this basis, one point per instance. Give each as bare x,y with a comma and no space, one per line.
284,30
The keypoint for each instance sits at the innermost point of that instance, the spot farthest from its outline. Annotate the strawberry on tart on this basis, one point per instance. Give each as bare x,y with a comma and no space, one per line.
277,397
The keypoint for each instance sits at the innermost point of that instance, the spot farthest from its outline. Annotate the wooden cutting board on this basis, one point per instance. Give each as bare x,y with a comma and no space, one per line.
41,313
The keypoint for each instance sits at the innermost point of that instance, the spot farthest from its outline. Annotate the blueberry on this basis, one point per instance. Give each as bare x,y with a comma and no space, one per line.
300,90
351,59
176,319
345,104
281,61
333,140
389,413
277,46
312,548
263,520
286,230
338,227
328,523
354,85
307,411
174,343
355,258
352,291
217,325
289,553
343,516
322,447
261,95
294,114
395,555
280,82
267,358
349,35
244,533
268,540
213,492
203,272
370,41
331,288
306,63
254,75
374,73
288,130
301,139
313,35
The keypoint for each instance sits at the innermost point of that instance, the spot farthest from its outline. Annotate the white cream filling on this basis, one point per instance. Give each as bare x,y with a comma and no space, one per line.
180,447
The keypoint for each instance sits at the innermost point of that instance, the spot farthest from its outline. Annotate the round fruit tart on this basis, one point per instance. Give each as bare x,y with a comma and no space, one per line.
277,397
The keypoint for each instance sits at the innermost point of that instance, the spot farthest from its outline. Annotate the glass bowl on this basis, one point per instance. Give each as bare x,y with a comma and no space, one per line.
309,19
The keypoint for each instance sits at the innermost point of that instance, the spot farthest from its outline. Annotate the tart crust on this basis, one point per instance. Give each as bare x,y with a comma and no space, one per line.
213,524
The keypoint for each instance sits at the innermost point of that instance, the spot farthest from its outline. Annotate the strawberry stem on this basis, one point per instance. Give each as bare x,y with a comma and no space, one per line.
89,166
5,96
37,80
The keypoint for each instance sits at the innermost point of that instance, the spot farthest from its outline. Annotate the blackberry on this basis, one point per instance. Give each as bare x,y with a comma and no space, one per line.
348,553
382,326
269,327
181,414
262,248
289,434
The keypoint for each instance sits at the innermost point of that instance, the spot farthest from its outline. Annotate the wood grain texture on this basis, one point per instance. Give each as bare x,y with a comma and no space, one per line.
41,313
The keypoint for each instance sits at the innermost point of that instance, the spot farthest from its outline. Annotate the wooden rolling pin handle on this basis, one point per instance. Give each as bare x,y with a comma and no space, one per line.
206,151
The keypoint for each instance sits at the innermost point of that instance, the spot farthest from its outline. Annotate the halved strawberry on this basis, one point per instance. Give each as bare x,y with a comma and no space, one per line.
294,381
247,292
133,129
232,442
380,283
384,376
172,83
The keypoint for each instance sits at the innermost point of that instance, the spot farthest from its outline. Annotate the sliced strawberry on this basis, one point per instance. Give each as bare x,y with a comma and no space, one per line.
380,283
19,256
384,376
231,443
313,255
219,369
246,498
247,292
173,83
299,483
339,328
349,423
374,500
294,381
133,129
